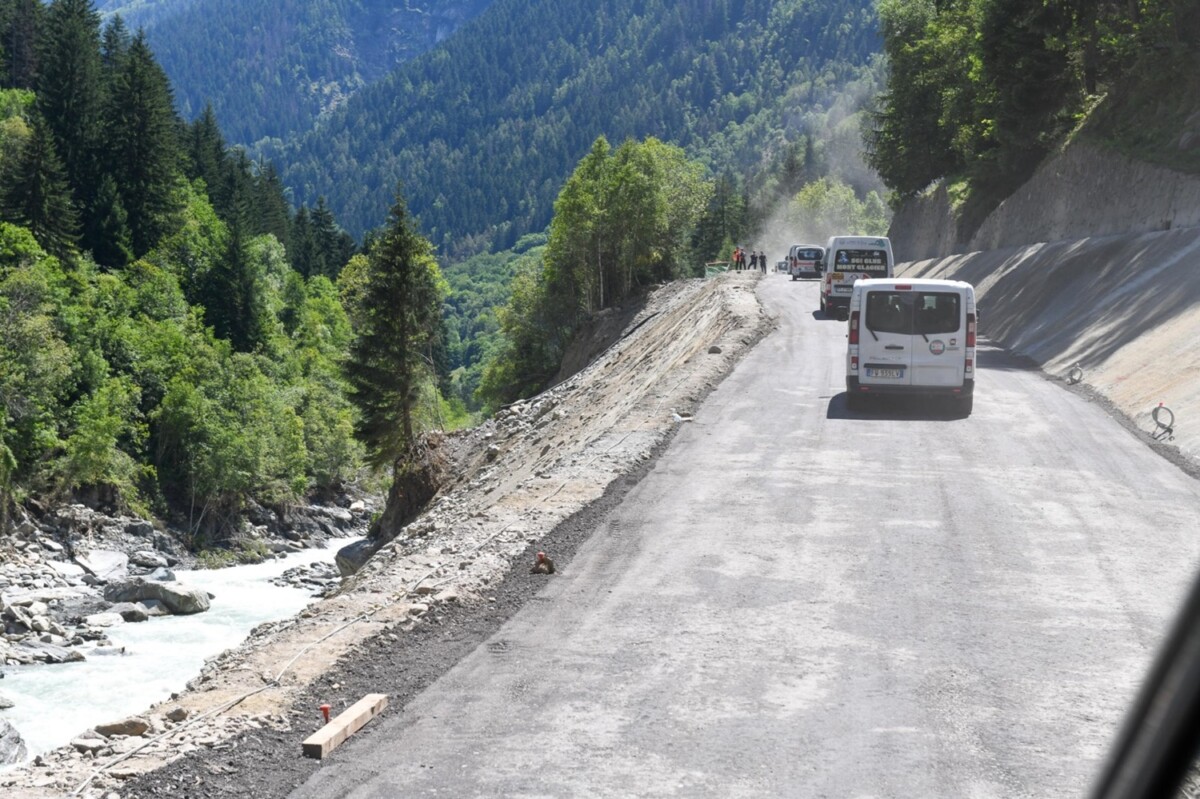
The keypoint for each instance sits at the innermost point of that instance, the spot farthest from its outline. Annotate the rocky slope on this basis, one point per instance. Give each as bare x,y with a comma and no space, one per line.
521,480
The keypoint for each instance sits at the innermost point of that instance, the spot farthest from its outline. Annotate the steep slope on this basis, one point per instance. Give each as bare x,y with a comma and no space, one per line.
520,478
483,130
271,67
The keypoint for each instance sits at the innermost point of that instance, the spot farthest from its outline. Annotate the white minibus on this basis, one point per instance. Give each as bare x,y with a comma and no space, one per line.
848,259
912,337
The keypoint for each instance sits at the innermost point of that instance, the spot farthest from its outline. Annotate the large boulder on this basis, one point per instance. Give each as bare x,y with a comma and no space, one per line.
351,557
105,564
134,725
12,746
37,652
178,598
148,560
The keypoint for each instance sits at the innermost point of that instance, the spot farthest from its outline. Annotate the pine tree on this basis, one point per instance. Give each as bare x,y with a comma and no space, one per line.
142,145
271,204
206,151
69,89
20,30
399,315
233,296
108,227
35,194
303,250
114,44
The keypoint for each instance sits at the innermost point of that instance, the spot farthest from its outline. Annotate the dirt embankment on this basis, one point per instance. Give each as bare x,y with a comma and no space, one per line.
522,481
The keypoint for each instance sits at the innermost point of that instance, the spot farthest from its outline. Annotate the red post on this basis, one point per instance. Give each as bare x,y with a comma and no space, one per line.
325,712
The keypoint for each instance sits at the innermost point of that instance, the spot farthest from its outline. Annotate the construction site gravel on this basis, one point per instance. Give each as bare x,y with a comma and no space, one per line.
538,476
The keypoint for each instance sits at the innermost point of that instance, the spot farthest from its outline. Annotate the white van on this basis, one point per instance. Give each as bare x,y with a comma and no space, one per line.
847,260
912,337
804,260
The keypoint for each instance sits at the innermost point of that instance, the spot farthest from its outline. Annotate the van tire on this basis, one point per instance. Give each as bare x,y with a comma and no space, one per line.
964,406
821,304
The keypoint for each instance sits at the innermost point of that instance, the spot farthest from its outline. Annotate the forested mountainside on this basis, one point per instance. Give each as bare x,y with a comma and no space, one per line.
271,67
483,130
142,13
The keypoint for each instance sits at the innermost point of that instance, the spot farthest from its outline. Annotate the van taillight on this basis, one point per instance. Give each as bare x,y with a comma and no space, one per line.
854,328
970,330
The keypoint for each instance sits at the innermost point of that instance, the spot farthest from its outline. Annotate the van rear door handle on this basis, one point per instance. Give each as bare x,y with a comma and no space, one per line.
894,347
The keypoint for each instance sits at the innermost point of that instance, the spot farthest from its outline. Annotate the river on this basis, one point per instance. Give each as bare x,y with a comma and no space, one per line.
55,703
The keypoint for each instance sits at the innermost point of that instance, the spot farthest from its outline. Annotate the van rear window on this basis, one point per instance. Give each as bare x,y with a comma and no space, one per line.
916,313
862,261
809,255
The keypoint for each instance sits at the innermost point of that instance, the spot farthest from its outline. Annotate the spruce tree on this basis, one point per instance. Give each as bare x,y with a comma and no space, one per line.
142,145
206,151
108,227
21,26
34,193
271,204
69,89
399,316
233,297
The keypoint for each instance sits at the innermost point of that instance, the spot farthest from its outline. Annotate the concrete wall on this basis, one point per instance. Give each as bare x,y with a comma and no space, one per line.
1125,308
1084,190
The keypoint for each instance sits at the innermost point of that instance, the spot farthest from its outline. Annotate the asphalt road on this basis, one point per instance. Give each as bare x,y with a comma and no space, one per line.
799,601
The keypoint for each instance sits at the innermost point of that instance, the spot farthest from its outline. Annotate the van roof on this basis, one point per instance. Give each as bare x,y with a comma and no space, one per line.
861,241
917,283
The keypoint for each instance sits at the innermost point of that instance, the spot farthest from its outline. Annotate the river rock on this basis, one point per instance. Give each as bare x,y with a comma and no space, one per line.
140,528
155,607
134,725
351,557
161,575
6,703
106,619
105,564
89,742
177,714
131,611
147,559
179,598
12,746
36,652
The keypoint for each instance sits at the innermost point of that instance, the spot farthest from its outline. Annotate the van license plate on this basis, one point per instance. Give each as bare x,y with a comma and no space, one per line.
892,373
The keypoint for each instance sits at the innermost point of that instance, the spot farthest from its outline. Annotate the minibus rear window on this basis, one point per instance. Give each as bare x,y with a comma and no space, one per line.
937,312
861,261
913,313
889,312
809,255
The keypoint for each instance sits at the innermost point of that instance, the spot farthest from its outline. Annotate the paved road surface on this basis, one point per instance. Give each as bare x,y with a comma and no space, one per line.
803,602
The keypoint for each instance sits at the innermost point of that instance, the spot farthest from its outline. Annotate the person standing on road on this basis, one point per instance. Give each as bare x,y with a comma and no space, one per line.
754,260
762,261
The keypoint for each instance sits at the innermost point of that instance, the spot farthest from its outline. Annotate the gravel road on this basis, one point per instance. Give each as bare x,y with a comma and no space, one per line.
790,599
802,601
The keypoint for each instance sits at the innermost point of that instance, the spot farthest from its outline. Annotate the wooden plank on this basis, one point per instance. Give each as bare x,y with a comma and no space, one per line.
348,722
